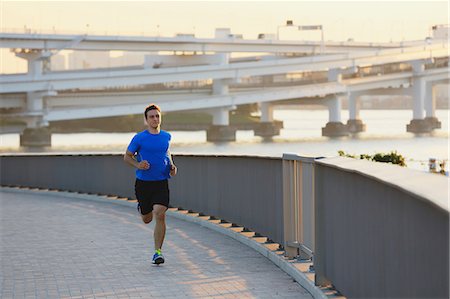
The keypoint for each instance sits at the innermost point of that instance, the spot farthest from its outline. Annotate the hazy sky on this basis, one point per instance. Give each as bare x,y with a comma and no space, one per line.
361,20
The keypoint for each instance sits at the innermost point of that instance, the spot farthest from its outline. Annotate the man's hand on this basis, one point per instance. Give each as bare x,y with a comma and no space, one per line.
143,165
173,170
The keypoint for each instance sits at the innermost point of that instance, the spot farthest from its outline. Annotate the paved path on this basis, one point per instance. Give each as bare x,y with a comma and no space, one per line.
53,247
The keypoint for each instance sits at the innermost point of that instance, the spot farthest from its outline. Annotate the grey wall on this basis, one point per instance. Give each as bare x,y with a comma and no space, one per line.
242,190
374,240
99,174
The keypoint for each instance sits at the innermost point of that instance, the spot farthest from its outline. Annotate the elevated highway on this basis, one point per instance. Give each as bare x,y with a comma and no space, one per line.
236,71
222,42
41,95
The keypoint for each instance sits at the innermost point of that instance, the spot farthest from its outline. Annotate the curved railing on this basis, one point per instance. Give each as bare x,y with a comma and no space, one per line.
371,229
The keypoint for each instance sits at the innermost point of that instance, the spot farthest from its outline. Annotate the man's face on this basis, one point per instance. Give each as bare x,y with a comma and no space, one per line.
153,118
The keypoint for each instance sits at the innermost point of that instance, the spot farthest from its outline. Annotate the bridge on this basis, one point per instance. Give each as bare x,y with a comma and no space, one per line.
207,75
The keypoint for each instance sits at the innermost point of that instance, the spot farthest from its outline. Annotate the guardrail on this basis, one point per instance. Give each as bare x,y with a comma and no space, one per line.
382,231
371,229
298,205
241,190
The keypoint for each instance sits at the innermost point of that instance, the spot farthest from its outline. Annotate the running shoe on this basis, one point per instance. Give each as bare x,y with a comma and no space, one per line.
158,258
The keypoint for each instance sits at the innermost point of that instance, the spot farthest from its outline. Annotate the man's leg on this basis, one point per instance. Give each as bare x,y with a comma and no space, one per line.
159,212
142,191
147,218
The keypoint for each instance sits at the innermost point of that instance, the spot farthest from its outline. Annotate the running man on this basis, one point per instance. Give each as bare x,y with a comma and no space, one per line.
149,152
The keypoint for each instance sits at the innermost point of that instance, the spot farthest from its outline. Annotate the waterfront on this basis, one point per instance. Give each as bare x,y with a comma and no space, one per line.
386,131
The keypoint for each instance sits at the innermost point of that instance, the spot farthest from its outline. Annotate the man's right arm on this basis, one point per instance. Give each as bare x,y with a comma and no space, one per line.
129,158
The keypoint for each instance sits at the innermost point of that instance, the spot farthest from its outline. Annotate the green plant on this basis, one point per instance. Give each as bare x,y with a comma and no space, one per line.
392,157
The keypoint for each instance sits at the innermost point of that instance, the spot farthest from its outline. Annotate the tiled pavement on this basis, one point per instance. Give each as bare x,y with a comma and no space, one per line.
54,247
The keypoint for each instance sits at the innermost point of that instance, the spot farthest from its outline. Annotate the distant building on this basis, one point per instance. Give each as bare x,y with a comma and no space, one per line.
89,60
442,96
440,31
58,63
128,59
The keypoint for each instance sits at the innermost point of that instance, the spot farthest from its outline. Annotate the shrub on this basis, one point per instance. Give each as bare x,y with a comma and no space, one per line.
392,157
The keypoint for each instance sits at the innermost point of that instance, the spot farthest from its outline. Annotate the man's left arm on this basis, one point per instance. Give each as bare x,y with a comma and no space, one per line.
173,168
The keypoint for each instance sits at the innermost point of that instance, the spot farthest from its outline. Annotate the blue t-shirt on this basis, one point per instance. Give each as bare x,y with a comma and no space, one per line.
153,148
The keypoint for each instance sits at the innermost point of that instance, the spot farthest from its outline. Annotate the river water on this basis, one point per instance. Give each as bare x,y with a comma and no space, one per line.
386,131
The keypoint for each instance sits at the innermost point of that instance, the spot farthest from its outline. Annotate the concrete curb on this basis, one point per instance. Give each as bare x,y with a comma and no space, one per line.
299,271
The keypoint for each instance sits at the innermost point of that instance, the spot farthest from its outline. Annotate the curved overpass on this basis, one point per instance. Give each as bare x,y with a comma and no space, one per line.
39,97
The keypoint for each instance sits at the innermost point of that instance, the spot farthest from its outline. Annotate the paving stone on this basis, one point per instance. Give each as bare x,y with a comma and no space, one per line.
54,247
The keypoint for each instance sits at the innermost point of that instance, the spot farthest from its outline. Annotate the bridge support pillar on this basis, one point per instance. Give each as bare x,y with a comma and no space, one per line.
38,61
334,128
430,106
433,122
220,131
37,133
220,86
354,124
419,124
268,127
36,137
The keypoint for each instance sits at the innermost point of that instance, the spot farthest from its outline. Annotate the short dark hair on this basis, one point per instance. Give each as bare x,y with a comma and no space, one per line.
151,107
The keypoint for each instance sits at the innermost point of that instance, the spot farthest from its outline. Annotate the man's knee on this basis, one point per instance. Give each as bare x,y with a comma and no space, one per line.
147,218
159,213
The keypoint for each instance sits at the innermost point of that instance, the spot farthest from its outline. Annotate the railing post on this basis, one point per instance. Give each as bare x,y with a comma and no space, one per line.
298,206
289,212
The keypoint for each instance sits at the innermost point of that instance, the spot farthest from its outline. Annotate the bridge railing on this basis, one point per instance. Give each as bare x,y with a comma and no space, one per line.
381,231
243,190
373,230
298,205
239,189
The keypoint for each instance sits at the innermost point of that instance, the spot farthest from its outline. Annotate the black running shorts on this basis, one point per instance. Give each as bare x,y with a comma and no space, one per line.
149,193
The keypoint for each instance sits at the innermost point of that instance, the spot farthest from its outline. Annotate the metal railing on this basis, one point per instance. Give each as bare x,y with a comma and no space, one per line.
373,230
381,231
298,205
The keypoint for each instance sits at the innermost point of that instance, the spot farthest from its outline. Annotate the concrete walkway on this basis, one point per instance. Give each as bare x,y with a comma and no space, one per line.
56,247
